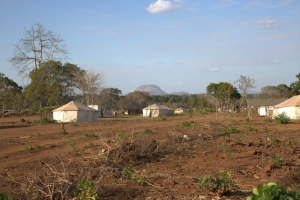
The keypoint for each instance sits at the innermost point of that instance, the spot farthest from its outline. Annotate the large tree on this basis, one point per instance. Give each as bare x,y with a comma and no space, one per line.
110,98
224,93
51,82
295,86
37,46
135,101
8,91
245,85
90,83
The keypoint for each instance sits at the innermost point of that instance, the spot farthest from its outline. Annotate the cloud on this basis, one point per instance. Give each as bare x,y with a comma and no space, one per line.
267,22
212,69
163,6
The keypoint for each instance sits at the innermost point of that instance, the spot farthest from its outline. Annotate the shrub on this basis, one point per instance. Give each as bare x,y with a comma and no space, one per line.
282,118
277,160
87,190
272,191
218,185
147,131
163,118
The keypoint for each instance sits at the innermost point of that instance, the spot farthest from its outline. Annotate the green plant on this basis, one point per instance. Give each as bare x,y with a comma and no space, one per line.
91,144
4,196
129,173
277,160
79,151
218,185
71,143
289,144
187,123
271,140
266,129
226,149
239,138
38,134
28,147
248,127
45,120
38,146
233,129
163,118
87,190
147,131
282,118
121,136
268,120
272,191
73,123
87,134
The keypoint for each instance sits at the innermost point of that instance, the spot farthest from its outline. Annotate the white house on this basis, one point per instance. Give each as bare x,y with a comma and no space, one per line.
180,110
290,107
98,108
74,111
156,110
264,106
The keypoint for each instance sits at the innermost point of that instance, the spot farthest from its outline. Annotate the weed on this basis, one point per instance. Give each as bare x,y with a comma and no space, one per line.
271,191
239,139
38,146
187,123
4,196
129,173
87,134
218,185
226,149
79,151
271,140
163,118
282,118
38,134
28,147
72,144
44,120
73,123
277,160
266,129
87,190
10,140
147,131
91,144
248,127
121,136
10,176
289,144
233,129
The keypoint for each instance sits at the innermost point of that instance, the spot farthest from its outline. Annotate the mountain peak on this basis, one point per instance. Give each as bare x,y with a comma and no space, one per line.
151,89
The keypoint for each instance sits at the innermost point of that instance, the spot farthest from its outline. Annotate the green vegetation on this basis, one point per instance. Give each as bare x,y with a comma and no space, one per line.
44,120
147,131
271,140
129,173
218,185
226,149
282,118
87,190
277,160
272,191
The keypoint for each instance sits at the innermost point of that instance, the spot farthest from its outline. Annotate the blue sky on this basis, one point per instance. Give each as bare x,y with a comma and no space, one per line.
179,45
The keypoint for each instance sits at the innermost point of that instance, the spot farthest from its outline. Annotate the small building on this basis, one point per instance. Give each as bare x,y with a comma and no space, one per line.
98,108
180,110
156,110
264,106
74,111
291,107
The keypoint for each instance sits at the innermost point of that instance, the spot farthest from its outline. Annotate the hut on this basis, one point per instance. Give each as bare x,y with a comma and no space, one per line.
156,110
291,107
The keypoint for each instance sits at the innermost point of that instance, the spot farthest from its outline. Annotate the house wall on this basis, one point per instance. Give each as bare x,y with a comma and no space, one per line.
156,113
86,116
263,111
65,116
291,112
98,108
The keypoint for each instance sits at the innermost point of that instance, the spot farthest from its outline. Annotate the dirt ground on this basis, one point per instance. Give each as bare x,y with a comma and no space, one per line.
44,161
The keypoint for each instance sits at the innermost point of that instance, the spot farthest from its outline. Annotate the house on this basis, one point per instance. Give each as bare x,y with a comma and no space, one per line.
291,107
156,110
180,110
264,106
98,108
74,111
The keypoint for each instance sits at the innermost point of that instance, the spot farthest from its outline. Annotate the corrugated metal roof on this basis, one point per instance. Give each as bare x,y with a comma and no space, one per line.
294,101
74,106
264,102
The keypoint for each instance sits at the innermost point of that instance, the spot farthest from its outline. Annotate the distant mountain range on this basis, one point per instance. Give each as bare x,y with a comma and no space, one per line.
155,90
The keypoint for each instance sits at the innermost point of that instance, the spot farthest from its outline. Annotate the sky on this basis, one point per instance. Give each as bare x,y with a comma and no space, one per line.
179,45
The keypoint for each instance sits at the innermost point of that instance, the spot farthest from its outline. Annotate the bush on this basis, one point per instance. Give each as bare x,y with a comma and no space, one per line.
44,120
282,118
272,191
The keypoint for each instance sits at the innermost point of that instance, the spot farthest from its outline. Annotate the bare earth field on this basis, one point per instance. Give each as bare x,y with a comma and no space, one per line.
41,162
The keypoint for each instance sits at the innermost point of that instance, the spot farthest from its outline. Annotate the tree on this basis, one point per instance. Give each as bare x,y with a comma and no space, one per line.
223,92
269,92
245,85
8,91
110,98
284,91
51,82
135,101
90,84
295,86
37,46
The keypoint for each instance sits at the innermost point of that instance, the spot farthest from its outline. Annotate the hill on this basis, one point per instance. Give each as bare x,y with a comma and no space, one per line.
151,89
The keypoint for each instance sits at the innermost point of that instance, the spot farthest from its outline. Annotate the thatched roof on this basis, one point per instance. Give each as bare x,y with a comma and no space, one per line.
264,102
294,101
74,106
